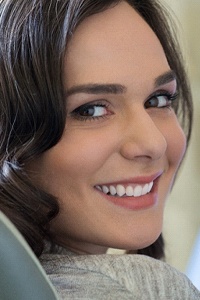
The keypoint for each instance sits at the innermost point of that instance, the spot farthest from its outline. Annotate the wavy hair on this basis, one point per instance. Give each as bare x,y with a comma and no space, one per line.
33,40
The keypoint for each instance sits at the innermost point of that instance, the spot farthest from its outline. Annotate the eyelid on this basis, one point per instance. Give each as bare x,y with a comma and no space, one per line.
169,98
170,95
99,103
163,92
86,103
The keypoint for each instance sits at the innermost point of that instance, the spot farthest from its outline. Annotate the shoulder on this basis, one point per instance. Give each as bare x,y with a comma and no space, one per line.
116,277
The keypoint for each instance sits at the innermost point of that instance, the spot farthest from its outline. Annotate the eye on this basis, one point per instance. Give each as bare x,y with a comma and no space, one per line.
91,111
160,100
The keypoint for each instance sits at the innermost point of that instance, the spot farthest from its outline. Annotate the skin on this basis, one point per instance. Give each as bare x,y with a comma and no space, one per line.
126,141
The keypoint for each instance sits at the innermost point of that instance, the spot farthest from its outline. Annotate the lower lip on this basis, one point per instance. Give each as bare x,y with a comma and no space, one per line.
135,203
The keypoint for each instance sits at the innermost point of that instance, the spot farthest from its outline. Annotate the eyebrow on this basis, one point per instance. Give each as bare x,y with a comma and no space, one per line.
165,78
95,88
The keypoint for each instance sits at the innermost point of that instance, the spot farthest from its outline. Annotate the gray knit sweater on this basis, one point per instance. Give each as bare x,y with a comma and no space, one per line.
107,277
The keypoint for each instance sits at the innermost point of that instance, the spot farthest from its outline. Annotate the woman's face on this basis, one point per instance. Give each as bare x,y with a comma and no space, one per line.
116,161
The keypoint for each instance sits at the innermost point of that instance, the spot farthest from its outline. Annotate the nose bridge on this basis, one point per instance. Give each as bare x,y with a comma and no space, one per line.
142,136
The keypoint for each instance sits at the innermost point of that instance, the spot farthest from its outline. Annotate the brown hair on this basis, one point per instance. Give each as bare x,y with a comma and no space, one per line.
33,41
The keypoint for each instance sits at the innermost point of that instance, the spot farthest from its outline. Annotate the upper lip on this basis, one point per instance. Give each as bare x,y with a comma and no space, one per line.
136,180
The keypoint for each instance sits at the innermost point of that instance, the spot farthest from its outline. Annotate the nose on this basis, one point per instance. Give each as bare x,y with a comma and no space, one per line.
143,137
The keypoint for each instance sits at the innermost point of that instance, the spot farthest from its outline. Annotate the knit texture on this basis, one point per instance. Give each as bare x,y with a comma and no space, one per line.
107,277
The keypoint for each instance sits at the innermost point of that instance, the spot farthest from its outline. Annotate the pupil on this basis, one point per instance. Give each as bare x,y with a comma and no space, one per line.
88,111
152,102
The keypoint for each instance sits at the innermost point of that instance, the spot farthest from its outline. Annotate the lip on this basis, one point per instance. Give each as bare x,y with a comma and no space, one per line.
136,180
135,203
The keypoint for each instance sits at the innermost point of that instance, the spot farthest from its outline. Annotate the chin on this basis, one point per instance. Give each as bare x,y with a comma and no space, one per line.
143,241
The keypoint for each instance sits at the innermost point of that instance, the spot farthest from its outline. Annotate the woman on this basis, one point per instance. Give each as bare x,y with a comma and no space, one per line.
90,142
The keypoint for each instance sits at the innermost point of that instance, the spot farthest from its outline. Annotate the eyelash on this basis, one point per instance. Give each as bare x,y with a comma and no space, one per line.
170,98
76,113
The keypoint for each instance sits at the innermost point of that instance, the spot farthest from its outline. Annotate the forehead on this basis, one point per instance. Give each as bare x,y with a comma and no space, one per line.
115,40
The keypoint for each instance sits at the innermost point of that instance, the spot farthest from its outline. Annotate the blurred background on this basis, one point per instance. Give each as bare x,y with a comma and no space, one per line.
182,217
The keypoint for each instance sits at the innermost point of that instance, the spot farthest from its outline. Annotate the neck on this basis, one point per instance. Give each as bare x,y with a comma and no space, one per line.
82,248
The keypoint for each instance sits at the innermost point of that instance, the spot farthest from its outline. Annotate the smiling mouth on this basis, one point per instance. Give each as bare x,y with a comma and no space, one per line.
128,190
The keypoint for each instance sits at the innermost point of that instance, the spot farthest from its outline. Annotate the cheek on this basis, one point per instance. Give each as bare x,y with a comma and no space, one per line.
176,142
79,154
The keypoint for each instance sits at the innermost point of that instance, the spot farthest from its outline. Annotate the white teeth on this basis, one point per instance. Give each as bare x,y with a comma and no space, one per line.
128,191
120,190
112,190
145,189
137,191
105,189
150,186
99,188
